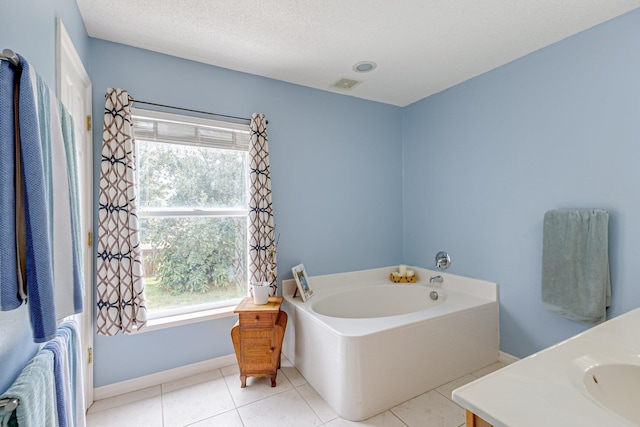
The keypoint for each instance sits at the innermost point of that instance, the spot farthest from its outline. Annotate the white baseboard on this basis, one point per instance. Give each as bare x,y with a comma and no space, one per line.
507,358
158,378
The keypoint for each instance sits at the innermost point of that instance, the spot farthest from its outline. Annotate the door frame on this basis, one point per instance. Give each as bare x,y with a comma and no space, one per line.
67,58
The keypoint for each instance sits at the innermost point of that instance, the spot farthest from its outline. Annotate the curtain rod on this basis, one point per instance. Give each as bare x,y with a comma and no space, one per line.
190,110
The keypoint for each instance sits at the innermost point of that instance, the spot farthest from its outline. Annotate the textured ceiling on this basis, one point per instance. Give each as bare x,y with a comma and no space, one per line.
421,47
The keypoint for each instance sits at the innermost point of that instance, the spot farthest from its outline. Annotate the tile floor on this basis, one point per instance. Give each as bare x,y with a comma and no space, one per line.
216,399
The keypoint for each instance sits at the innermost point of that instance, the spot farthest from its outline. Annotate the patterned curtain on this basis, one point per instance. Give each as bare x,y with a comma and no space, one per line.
262,246
120,285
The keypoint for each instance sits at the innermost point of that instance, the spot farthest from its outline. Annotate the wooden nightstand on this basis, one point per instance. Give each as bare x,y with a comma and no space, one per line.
257,338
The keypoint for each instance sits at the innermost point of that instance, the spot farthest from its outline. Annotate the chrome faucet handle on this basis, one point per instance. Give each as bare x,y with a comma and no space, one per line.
443,260
436,279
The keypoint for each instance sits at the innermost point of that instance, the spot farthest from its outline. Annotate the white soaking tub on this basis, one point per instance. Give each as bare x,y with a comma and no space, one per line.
366,344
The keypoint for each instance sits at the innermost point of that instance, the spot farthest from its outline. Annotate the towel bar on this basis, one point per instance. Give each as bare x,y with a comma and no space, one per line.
10,56
9,404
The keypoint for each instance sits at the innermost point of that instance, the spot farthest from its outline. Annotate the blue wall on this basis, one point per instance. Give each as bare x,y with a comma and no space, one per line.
359,184
336,179
29,28
484,160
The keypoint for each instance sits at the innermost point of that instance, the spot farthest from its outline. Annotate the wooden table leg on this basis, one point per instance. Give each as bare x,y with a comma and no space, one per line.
475,421
243,381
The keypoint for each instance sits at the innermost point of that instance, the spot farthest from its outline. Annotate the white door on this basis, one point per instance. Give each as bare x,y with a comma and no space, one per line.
74,90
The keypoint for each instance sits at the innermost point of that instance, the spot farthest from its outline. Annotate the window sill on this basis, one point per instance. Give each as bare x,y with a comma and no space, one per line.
187,318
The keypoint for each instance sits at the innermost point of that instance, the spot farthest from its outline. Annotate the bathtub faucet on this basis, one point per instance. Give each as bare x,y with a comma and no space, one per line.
436,279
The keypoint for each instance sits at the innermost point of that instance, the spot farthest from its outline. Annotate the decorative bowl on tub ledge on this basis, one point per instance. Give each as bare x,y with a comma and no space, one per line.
403,279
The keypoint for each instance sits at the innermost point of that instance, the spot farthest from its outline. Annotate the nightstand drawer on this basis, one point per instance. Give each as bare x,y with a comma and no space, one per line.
257,320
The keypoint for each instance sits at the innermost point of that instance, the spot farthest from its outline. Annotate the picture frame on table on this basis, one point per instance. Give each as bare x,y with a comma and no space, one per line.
302,282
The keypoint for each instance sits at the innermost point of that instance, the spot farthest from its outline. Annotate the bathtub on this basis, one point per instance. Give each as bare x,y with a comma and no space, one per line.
366,344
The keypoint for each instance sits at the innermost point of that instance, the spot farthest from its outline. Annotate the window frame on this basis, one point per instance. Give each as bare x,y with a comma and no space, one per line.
209,310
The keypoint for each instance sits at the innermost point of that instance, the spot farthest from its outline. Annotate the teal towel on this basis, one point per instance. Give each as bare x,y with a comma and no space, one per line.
8,418
35,389
575,264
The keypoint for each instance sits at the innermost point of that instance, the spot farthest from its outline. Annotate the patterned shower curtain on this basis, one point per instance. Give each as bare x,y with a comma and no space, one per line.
120,288
262,246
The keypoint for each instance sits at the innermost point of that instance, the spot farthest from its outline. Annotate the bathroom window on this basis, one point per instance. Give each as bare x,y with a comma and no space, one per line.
193,186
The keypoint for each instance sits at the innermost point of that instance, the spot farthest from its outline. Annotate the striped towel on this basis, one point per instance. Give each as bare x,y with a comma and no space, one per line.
57,347
39,266
9,296
52,214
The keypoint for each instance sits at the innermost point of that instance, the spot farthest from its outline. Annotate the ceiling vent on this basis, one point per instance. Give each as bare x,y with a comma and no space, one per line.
346,84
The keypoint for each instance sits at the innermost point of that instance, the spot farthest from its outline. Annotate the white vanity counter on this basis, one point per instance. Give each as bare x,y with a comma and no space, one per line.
547,389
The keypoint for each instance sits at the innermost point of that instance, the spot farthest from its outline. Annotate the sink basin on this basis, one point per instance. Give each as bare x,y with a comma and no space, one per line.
612,380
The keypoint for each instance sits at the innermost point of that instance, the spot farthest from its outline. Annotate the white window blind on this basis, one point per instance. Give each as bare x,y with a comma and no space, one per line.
171,128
